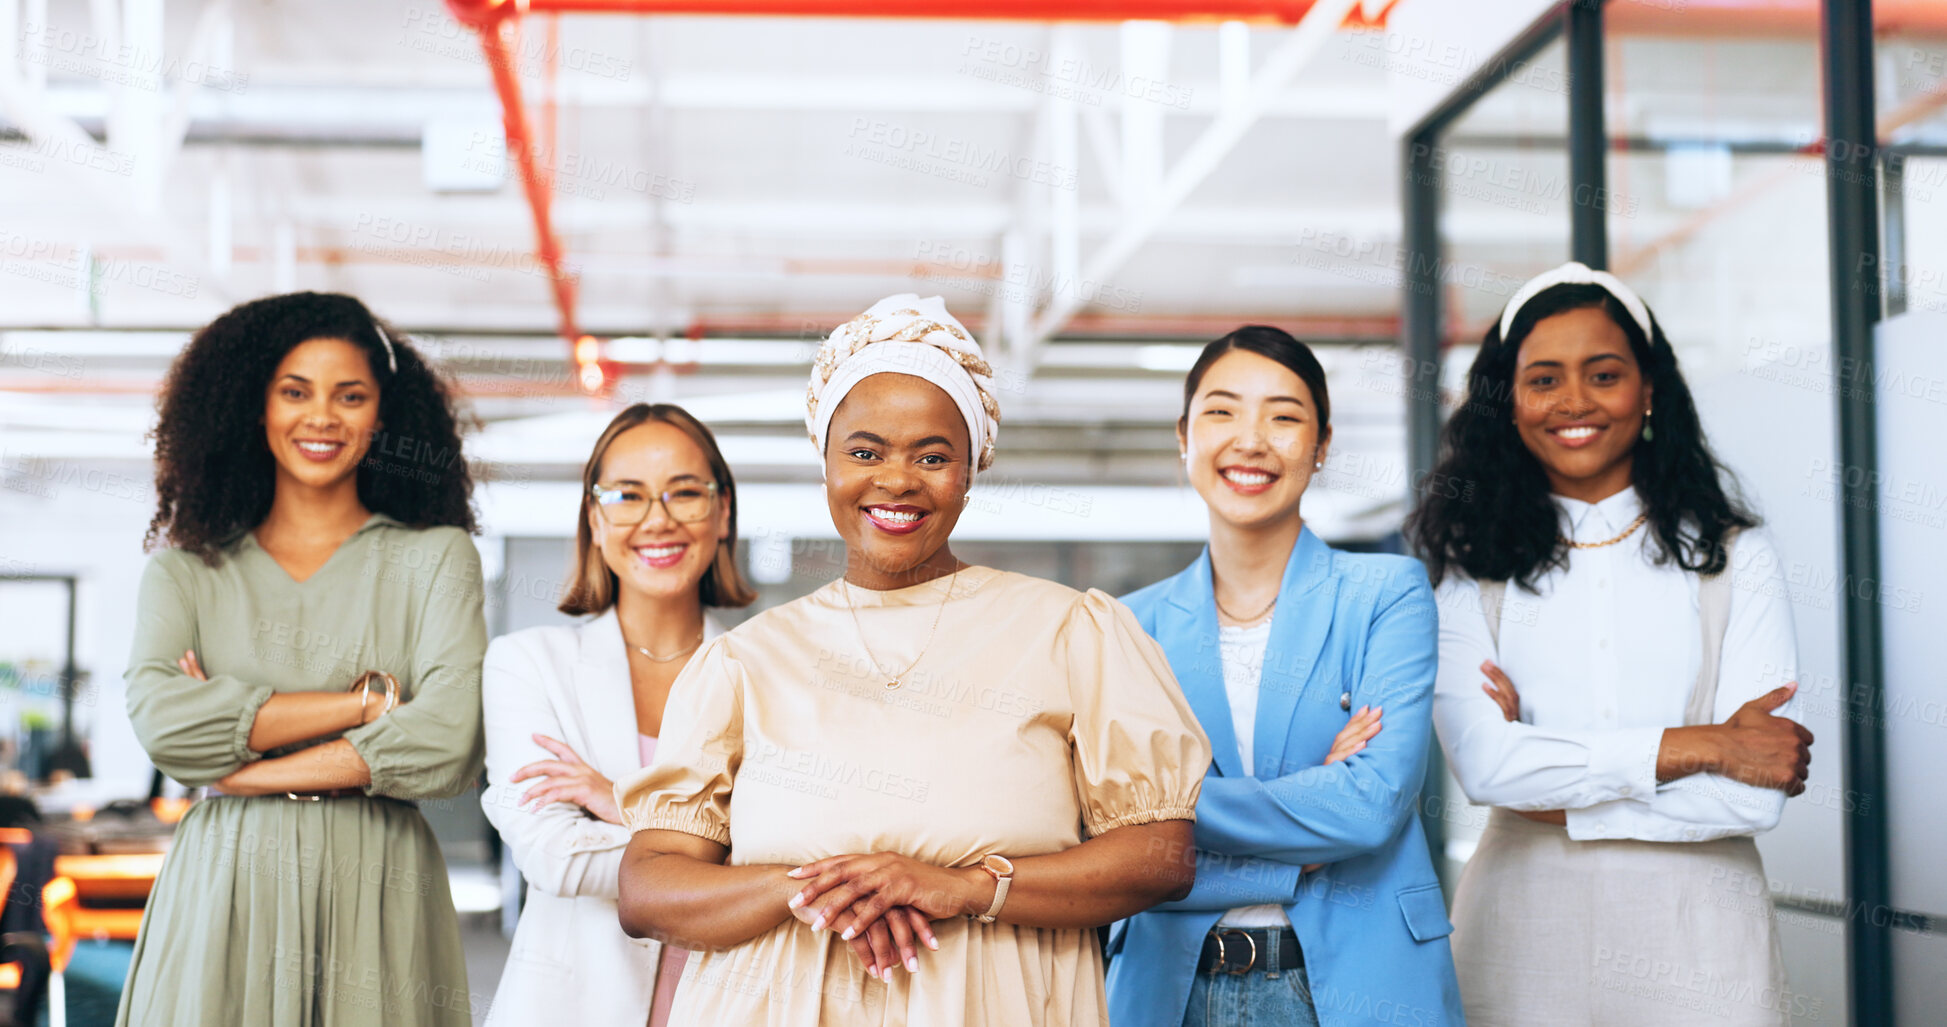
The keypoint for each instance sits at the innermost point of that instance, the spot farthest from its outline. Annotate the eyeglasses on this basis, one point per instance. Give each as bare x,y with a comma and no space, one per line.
626,505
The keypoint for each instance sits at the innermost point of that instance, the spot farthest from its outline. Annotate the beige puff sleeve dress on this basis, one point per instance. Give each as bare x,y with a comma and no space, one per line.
333,913
1037,717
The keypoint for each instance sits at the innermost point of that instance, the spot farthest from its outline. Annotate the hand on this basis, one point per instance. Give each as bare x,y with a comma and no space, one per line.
887,943
1760,748
1351,738
188,665
1501,690
880,881
568,779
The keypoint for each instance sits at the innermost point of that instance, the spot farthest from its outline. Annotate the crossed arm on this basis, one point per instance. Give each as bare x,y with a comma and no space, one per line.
204,729
291,717
676,886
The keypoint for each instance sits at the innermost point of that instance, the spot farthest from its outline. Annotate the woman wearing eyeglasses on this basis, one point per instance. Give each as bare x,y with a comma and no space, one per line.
571,709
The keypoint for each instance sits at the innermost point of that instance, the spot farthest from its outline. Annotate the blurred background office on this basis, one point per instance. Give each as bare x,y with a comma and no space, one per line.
691,202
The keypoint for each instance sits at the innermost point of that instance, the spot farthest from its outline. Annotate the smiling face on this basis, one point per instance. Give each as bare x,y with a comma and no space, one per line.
1250,440
660,556
320,413
1579,402
896,478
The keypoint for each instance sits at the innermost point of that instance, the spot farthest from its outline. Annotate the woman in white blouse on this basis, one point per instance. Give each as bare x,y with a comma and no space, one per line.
1587,552
571,709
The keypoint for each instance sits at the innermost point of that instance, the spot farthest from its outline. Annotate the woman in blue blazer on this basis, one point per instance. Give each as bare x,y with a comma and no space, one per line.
1315,900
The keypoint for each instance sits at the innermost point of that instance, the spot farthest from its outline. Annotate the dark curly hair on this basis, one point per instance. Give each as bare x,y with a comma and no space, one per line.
215,475
1502,526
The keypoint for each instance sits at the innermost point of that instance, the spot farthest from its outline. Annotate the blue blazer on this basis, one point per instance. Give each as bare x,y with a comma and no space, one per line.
1372,921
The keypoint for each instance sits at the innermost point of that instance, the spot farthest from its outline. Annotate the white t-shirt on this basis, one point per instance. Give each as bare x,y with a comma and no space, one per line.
1242,651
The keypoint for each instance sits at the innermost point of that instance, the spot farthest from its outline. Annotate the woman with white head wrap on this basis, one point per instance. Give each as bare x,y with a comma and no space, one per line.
926,826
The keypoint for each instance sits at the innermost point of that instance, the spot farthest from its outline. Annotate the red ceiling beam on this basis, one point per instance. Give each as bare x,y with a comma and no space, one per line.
479,13
498,23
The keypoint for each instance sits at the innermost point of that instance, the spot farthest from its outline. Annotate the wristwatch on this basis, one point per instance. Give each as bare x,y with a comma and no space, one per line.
1003,871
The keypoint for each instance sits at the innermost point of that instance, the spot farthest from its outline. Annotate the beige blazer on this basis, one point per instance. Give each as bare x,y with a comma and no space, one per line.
570,961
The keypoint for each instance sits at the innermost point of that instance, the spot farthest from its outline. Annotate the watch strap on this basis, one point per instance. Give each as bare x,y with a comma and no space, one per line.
1000,896
1001,883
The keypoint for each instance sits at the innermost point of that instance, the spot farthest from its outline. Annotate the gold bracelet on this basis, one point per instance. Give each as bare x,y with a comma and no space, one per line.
363,686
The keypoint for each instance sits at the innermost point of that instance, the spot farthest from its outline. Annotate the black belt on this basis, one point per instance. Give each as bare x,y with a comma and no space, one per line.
1239,950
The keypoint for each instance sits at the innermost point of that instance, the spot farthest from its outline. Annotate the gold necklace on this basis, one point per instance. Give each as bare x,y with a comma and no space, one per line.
671,657
892,680
1626,532
1235,619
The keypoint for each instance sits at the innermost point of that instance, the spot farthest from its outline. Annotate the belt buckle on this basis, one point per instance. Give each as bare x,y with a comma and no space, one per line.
1246,968
1218,966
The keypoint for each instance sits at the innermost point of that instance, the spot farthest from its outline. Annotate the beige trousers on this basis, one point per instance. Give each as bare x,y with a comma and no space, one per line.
1551,932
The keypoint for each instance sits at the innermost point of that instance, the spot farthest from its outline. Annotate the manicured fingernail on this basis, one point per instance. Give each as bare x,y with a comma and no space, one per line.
818,922
794,872
848,932
912,964
933,943
888,975
797,900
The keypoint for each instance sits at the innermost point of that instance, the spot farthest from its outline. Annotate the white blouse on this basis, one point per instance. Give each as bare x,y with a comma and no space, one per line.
1605,654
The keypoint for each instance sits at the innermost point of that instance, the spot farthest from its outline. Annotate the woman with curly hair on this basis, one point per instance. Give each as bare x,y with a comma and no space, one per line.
312,493
1585,546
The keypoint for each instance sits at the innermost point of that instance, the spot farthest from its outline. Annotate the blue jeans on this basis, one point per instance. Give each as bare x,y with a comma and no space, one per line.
1261,999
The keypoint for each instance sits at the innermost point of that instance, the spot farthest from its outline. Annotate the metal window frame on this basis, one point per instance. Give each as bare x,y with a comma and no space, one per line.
1856,207
1421,314
1853,211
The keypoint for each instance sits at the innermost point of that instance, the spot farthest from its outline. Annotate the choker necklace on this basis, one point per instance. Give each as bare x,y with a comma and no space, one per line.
1241,621
672,657
892,680
1626,532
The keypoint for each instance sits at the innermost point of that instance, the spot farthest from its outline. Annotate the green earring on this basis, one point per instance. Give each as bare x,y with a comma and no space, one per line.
1647,433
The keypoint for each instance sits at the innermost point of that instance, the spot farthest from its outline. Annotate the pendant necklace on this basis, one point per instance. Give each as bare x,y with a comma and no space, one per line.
892,680
672,657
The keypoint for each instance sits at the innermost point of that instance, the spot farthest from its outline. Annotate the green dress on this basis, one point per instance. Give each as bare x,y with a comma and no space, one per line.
294,913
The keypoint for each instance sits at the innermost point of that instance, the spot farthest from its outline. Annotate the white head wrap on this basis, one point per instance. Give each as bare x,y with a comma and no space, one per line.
904,334
1577,273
